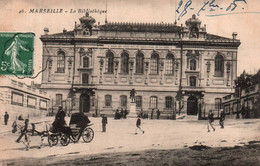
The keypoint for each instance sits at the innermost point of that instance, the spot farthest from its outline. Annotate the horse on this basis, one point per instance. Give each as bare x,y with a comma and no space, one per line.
34,129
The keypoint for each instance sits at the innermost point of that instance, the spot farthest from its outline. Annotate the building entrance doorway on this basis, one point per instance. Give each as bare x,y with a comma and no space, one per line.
192,106
84,105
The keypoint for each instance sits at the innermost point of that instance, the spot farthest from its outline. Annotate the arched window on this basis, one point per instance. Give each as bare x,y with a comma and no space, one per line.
139,63
109,62
193,64
192,80
169,64
85,78
123,101
154,67
124,62
168,102
85,62
108,100
61,62
219,66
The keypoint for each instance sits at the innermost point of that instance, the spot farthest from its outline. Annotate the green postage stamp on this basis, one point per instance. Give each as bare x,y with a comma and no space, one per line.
16,53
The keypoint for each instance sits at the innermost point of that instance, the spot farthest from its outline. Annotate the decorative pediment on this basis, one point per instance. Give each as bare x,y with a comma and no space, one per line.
84,52
191,54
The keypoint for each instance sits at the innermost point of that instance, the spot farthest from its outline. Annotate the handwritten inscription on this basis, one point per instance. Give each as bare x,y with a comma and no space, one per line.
185,6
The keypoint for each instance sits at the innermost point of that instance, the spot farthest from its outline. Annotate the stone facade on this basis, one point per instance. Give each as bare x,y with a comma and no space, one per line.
176,69
17,98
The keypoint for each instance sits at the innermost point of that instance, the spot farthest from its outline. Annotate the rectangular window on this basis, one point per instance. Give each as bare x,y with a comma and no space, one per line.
192,64
43,104
192,80
218,103
153,102
31,102
17,98
108,100
123,101
227,109
84,78
138,100
58,99
168,102
85,62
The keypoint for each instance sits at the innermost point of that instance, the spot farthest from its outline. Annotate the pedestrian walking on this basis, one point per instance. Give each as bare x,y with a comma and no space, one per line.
6,117
243,112
210,120
222,118
158,113
152,114
23,131
138,125
104,123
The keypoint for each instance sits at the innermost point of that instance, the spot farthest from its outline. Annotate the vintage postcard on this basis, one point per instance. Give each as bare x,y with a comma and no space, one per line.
137,82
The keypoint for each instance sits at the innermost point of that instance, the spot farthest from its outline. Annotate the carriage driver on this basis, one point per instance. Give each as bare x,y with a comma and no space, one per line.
59,125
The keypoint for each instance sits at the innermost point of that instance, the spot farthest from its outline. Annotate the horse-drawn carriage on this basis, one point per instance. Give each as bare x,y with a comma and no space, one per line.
78,127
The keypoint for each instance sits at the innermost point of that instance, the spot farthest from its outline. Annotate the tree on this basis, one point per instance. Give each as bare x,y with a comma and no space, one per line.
244,80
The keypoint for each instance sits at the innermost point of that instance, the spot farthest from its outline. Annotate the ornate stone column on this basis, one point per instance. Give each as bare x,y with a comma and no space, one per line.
208,71
161,70
176,71
101,64
50,67
228,72
69,67
146,62
116,68
131,64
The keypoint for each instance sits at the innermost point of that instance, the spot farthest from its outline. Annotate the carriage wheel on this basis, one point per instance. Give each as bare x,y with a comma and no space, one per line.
64,139
88,135
75,138
52,140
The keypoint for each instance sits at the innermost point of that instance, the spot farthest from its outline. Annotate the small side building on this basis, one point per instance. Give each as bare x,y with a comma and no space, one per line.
244,103
17,99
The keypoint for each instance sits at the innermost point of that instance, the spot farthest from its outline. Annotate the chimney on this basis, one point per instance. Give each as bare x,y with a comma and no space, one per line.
64,30
234,34
46,31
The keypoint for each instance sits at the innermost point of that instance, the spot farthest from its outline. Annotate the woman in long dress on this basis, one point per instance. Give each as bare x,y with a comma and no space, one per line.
13,50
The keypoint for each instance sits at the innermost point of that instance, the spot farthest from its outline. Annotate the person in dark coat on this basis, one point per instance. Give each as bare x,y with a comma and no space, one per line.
138,125
125,113
6,117
243,112
104,123
152,114
59,124
222,118
210,120
23,131
158,113
121,113
117,114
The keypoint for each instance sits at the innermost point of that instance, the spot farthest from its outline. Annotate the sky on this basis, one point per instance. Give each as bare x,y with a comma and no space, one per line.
243,19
